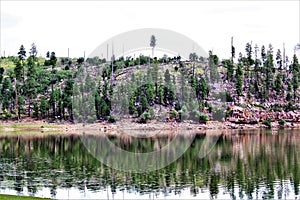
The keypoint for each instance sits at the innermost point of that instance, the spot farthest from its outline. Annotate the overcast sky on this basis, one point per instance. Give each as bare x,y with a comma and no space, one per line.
82,26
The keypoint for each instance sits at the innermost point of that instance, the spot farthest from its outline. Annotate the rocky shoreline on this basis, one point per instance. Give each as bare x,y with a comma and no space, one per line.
131,124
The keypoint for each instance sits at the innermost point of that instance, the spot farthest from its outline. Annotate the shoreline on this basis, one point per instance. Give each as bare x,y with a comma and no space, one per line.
129,124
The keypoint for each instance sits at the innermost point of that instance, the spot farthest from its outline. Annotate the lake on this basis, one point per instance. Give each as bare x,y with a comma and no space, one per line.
230,164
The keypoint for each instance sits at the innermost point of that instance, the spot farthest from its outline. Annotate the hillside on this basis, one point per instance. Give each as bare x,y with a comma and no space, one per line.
250,90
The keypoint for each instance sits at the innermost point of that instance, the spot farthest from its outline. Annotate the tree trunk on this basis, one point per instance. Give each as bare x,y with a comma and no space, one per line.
29,101
19,113
152,52
17,105
193,68
23,68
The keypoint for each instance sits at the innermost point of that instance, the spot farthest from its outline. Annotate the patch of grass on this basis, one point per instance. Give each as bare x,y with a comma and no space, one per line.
14,197
21,128
7,64
199,71
30,126
30,132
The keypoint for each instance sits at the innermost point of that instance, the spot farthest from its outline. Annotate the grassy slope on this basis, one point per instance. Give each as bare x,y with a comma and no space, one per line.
28,125
13,197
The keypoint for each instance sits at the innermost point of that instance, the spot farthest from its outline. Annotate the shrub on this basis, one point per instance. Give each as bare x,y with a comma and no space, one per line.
139,110
152,113
173,114
210,108
204,117
177,106
112,119
144,117
180,114
8,115
267,122
282,122
195,114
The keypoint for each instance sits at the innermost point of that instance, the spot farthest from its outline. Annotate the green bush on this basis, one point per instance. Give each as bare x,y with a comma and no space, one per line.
204,117
7,114
282,122
267,122
195,115
112,119
152,113
144,117
173,114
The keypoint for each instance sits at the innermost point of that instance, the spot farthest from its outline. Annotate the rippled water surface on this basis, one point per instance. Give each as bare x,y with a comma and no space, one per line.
241,164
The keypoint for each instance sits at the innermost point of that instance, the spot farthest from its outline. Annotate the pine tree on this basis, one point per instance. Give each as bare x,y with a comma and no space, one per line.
67,97
1,74
295,65
263,53
230,69
144,102
31,82
7,94
131,107
295,83
213,64
167,76
205,88
278,84
43,107
232,50
22,56
35,110
239,79
153,43
160,95
33,51
193,58
18,70
250,61
19,77
279,59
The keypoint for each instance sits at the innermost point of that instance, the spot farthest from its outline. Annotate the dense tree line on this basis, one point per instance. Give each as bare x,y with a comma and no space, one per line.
264,79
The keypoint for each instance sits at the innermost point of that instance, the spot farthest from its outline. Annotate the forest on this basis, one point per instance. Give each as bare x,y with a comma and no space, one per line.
93,89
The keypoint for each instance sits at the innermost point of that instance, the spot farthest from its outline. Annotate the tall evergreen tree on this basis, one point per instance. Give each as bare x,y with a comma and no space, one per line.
167,76
249,52
295,69
153,43
279,59
31,83
22,56
1,74
7,94
213,61
239,79
19,77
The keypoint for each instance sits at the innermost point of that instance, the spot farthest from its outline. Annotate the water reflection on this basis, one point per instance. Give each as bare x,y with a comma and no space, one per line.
242,164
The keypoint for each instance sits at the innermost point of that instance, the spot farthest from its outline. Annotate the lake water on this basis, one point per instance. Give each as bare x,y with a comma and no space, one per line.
227,165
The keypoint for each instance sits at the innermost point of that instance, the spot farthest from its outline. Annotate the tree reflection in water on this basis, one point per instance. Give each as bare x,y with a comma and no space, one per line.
243,164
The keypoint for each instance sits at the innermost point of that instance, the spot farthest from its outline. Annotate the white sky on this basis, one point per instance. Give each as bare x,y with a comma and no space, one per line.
83,25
